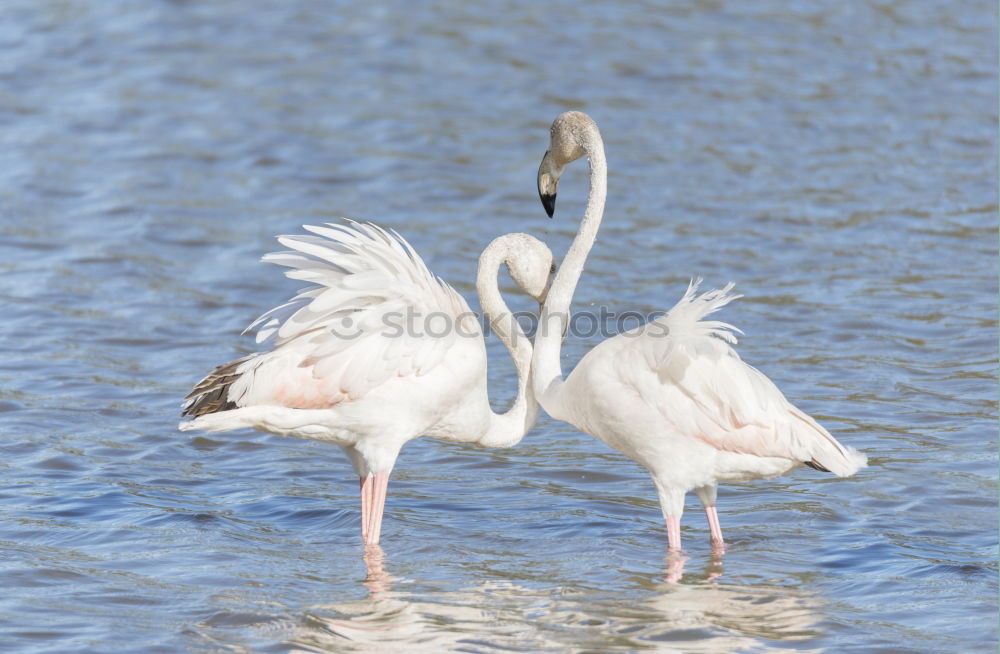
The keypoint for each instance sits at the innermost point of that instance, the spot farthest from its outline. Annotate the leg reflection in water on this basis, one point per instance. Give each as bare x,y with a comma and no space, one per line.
714,568
377,580
675,566
676,561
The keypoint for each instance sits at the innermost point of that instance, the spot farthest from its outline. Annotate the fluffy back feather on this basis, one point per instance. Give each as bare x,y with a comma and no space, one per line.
682,333
359,272
347,332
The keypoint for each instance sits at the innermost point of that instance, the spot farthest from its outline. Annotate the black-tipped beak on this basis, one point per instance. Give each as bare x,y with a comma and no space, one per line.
548,180
549,202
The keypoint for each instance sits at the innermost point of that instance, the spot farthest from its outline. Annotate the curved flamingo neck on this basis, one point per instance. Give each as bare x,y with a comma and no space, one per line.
545,364
507,428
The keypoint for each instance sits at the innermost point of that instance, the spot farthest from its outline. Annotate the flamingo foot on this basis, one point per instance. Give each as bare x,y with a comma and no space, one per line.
718,545
373,491
673,533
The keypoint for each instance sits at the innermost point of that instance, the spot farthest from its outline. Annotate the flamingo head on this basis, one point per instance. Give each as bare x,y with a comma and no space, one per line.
568,141
531,266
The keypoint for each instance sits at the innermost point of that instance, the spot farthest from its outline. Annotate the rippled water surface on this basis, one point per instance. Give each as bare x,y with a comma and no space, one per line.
835,159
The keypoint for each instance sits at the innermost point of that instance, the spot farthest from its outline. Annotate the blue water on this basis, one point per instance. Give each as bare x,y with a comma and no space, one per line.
836,160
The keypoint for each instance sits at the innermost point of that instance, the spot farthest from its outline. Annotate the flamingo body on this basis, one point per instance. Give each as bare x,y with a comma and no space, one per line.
673,394
675,397
376,352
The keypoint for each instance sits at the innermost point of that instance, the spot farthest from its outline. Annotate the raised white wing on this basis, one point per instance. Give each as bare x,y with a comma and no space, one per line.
709,393
373,312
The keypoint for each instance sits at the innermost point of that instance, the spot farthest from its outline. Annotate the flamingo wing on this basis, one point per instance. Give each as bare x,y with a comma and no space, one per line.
373,312
706,391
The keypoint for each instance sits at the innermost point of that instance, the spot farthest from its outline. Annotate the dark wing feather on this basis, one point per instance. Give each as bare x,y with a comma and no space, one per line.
211,394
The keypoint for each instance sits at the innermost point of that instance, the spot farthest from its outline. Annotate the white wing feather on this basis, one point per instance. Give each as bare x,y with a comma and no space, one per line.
348,332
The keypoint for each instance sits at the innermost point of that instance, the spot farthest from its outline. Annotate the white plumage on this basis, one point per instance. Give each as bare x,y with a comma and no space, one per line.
672,394
376,352
342,337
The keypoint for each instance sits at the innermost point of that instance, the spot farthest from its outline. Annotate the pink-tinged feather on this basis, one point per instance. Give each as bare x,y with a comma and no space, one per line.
669,392
340,370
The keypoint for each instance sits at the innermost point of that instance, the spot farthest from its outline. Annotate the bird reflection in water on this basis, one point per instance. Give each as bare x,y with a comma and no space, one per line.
701,615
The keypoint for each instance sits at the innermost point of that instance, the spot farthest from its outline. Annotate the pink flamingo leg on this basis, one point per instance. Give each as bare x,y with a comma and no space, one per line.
673,533
714,528
364,506
373,492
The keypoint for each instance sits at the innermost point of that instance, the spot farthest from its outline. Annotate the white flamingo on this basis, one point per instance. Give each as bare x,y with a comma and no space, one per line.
672,395
377,352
